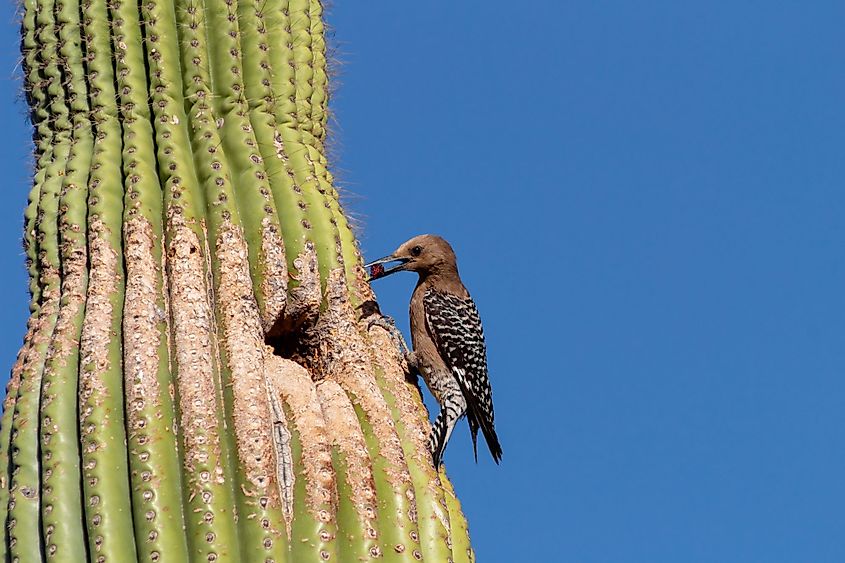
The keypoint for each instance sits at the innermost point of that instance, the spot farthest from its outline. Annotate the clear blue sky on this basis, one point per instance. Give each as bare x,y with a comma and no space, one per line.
647,203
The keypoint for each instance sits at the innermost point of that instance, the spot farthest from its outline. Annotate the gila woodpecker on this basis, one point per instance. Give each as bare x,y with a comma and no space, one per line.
448,341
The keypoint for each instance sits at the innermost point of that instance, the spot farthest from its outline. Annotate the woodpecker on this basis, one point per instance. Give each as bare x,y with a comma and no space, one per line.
447,339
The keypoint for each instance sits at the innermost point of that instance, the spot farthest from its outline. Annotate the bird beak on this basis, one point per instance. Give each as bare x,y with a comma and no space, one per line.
377,270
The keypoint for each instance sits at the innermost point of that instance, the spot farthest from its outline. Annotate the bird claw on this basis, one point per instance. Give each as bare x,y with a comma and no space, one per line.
387,323
370,310
384,321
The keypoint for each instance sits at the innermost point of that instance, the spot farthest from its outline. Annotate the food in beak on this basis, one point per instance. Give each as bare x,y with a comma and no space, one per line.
376,271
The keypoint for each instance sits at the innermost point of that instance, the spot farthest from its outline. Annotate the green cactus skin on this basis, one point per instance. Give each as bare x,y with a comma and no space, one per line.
24,491
245,402
38,114
151,410
320,78
61,508
182,236
196,384
267,77
105,471
261,516
433,519
6,431
396,506
25,541
461,547
250,180
295,54
206,468
357,518
441,521
312,35
254,110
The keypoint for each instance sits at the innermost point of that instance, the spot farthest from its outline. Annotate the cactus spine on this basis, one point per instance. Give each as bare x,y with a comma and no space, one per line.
196,383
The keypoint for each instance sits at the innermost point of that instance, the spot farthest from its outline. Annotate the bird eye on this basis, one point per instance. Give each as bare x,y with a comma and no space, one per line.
416,251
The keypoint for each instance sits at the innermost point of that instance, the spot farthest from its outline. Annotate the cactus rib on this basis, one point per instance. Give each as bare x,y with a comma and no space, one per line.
150,406
106,486
62,513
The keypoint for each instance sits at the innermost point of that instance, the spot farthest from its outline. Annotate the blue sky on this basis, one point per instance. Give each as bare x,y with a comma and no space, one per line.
646,200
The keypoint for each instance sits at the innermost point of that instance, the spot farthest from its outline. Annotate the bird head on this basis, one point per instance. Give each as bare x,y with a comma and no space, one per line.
424,254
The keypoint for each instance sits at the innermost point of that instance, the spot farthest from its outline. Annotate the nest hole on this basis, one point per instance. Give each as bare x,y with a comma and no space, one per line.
294,336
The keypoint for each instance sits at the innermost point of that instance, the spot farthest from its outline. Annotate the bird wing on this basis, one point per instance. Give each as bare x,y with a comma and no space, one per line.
456,329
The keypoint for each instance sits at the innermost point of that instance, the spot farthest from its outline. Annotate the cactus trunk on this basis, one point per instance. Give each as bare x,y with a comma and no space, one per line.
196,383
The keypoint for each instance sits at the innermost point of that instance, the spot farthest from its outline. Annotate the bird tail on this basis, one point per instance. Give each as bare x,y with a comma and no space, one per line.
489,431
437,440
473,431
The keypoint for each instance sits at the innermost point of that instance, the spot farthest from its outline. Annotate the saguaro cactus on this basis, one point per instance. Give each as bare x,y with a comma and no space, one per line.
196,382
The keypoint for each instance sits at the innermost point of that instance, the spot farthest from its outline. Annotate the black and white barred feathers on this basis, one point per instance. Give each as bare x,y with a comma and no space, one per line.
457,332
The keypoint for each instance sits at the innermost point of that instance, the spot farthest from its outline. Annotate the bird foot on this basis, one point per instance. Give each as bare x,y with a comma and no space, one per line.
387,323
